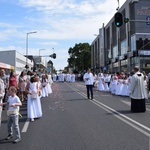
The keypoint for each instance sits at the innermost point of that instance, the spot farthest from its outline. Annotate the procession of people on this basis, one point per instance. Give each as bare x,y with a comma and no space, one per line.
134,85
118,83
31,87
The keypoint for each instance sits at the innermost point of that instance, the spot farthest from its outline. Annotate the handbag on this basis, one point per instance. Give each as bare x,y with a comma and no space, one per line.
34,96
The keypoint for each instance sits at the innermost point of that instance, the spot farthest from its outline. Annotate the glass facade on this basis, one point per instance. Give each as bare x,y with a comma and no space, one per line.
133,43
115,51
124,47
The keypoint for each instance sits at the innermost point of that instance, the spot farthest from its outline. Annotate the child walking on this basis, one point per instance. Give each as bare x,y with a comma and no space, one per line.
13,114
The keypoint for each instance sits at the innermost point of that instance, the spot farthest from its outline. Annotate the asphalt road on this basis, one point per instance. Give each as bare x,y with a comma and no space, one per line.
72,122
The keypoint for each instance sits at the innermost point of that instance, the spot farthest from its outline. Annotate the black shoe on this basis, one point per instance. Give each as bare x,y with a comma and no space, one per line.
91,97
17,140
9,137
88,97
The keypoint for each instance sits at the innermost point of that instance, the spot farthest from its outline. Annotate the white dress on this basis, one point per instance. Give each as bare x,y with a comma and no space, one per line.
34,108
106,88
119,87
48,86
54,77
44,91
114,84
124,91
100,84
73,78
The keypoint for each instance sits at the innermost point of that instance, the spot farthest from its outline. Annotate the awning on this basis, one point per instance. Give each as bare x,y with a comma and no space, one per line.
6,66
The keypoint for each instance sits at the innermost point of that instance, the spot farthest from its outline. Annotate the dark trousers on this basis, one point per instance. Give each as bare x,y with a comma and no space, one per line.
89,90
138,105
4,98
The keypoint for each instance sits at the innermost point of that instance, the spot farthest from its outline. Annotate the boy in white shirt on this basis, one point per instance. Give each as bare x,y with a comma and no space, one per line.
13,114
89,80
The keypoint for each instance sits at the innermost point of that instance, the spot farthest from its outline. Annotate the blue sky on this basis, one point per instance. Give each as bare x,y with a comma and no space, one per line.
60,24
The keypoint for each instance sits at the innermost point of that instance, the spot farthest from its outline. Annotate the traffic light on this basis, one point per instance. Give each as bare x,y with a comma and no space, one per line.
118,19
126,20
54,55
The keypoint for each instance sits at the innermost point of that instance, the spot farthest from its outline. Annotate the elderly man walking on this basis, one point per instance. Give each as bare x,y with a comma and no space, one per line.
137,91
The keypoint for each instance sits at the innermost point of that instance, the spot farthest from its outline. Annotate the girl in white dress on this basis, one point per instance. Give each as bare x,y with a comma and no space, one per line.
54,77
44,83
100,86
34,109
50,82
124,91
72,77
106,88
119,87
114,83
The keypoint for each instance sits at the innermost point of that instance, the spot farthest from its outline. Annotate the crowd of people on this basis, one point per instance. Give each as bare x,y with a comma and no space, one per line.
136,85
14,89
61,77
117,83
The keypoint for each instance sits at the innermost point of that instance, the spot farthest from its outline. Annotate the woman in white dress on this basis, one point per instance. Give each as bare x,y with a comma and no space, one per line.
34,109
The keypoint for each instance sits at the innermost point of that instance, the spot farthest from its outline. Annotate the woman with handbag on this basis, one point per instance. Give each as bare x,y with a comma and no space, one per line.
34,108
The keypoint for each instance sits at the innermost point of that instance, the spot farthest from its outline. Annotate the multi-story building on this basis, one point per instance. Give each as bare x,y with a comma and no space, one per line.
15,59
128,45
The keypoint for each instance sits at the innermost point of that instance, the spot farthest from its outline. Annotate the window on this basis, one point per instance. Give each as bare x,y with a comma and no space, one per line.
115,51
133,43
124,47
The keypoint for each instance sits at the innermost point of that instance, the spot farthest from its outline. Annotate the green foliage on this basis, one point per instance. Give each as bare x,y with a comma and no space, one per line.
80,57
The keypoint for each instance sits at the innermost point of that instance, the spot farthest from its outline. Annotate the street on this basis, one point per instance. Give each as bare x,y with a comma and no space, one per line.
70,121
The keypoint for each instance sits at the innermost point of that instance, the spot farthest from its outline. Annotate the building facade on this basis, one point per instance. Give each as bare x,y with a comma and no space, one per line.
128,45
15,59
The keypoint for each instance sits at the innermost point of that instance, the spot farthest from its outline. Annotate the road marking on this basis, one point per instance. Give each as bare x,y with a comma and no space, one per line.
119,115
136,125
26,125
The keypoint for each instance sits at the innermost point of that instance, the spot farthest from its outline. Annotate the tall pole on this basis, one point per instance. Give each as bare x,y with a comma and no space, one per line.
41,50
27,46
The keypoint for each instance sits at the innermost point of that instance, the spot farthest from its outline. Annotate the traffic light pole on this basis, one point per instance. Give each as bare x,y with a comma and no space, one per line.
126,20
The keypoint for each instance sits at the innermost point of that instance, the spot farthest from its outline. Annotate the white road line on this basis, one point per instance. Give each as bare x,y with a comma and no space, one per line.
123,116
26,125
127,120
136,125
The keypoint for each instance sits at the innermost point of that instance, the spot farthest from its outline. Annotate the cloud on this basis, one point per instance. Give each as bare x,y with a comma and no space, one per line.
57,22
67,19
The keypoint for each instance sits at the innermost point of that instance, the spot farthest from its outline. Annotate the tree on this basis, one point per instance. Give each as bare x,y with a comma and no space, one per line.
80,57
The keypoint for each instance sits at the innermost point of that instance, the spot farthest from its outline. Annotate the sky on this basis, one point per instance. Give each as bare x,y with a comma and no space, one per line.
60,24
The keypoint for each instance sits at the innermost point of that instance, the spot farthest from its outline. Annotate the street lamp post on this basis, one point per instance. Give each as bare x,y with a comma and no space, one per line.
27,47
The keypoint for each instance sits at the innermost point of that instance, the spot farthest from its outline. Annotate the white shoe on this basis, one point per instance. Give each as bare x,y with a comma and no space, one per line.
32,119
